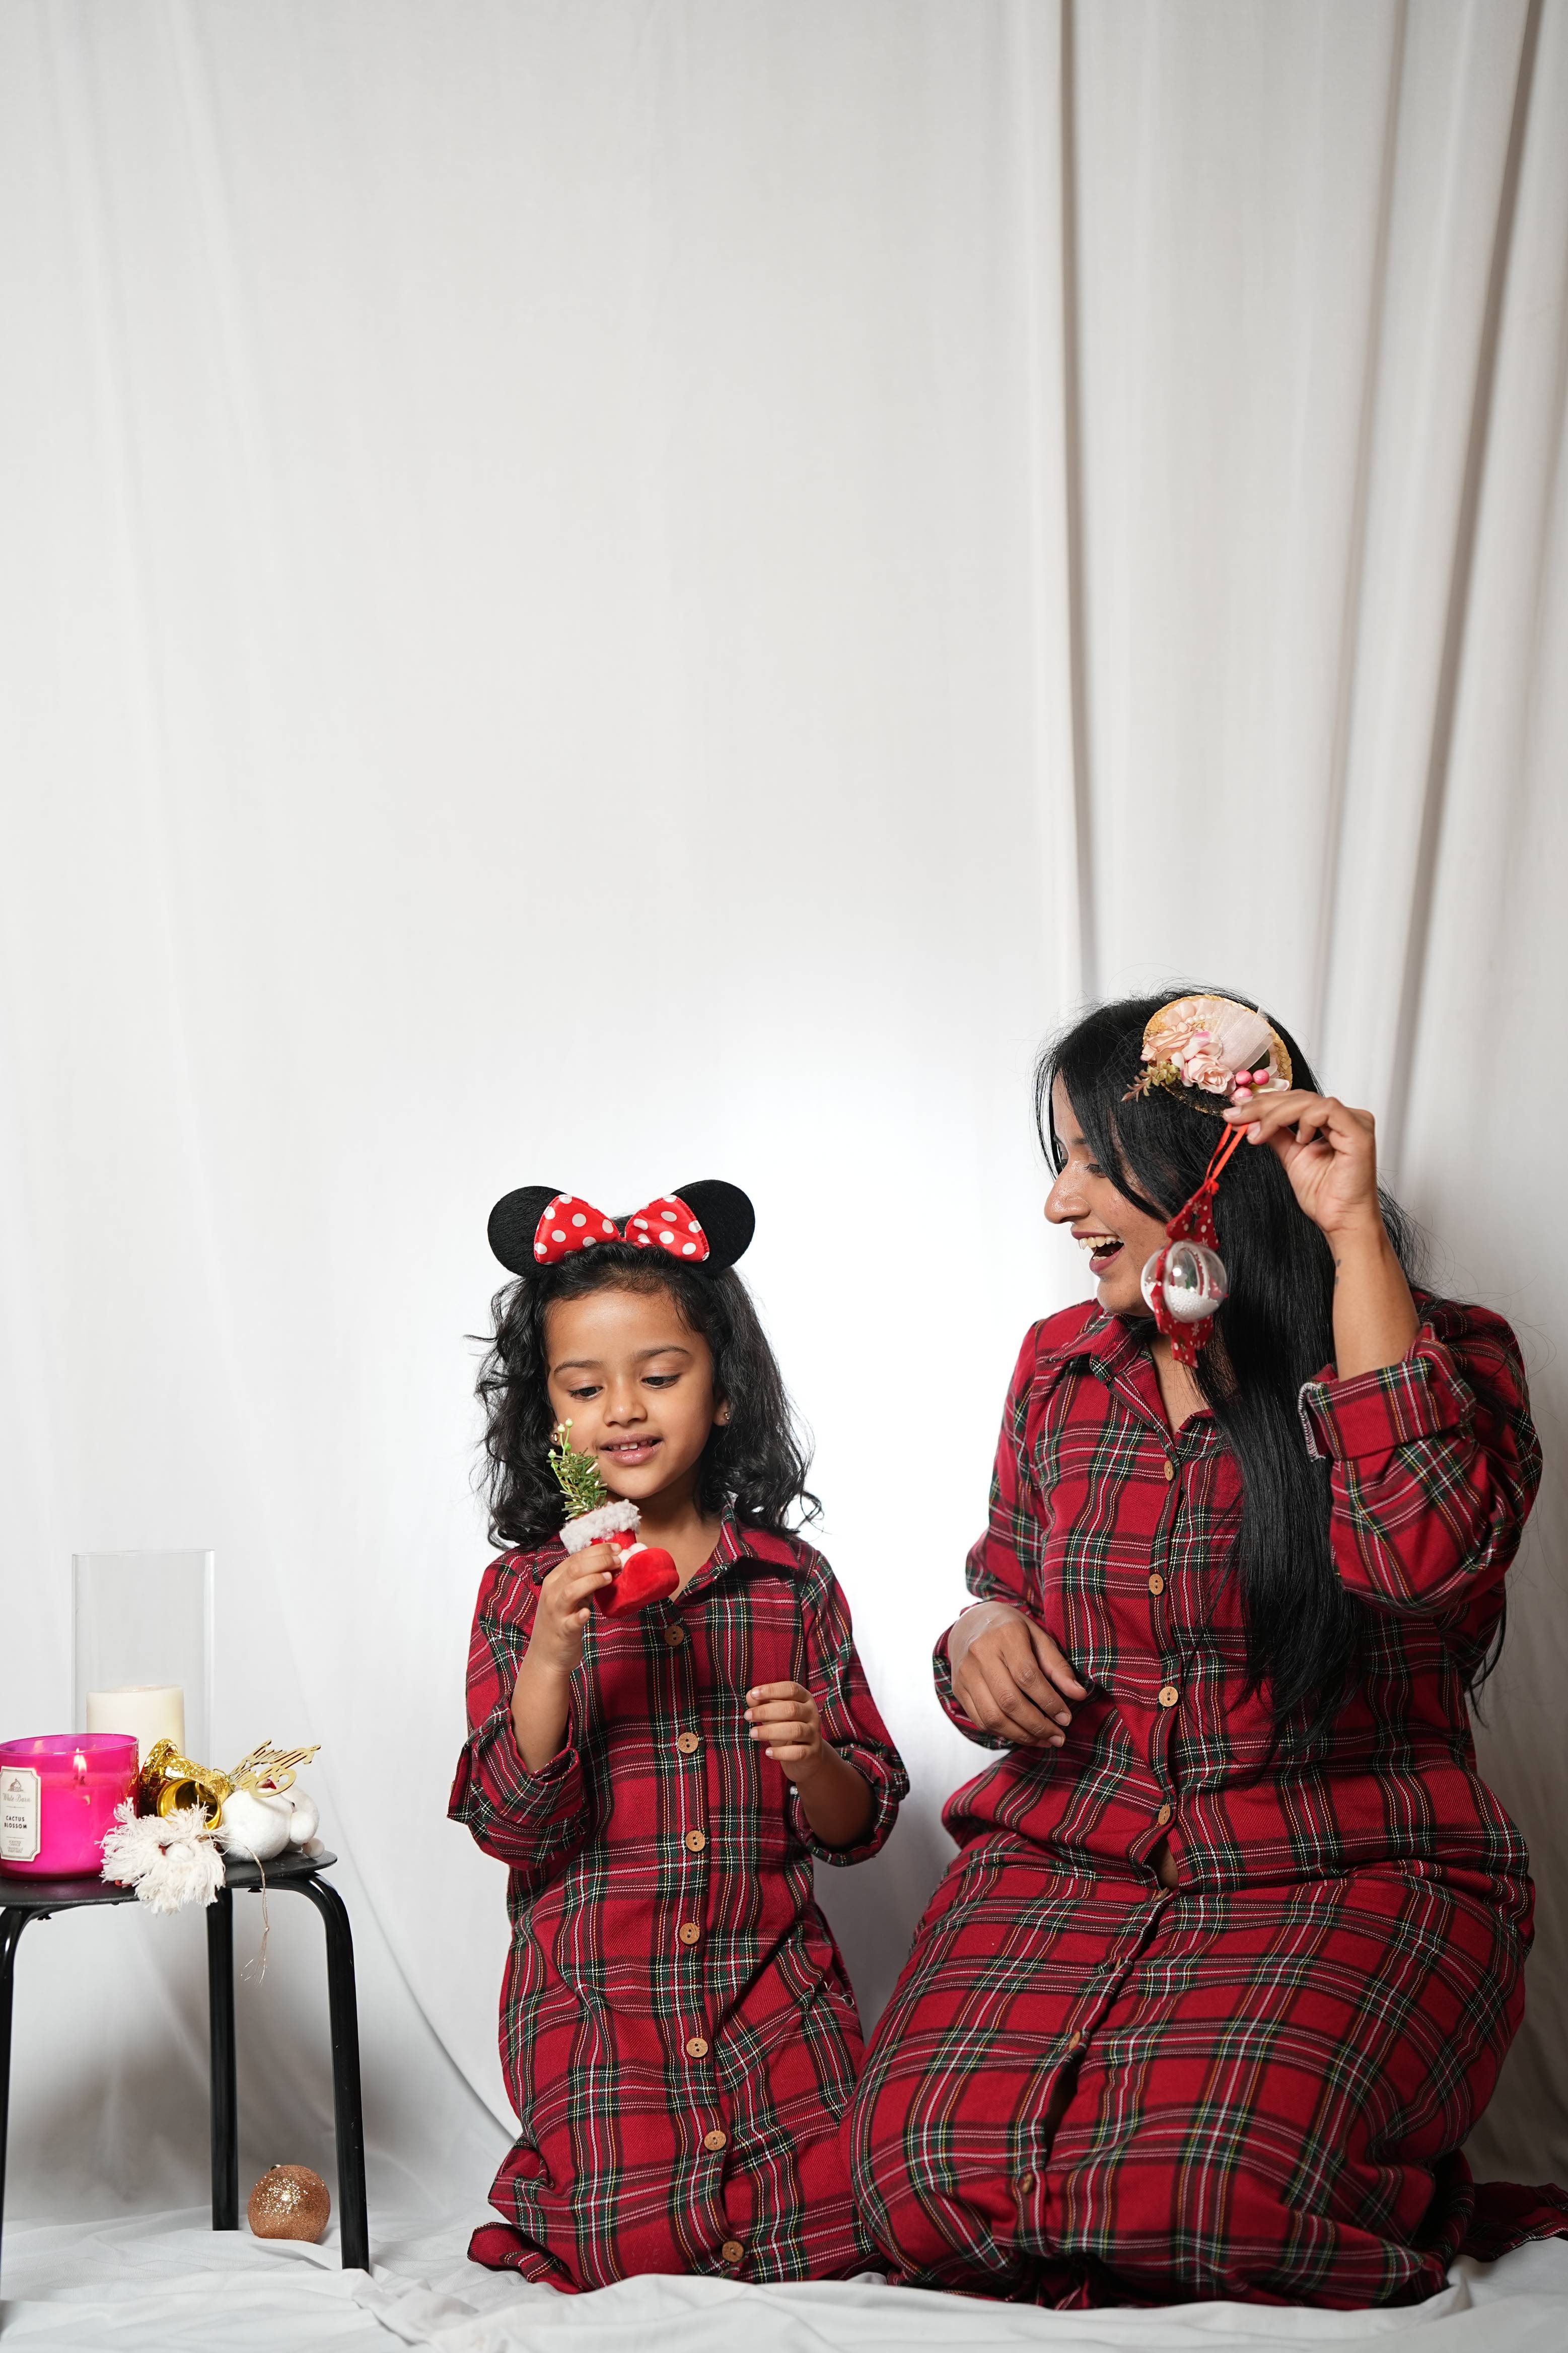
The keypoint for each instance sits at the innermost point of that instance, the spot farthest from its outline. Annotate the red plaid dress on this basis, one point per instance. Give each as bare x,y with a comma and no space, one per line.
676,2030
1268,2071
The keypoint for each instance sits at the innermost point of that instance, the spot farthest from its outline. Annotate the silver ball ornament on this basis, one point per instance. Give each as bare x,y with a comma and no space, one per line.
1194,1282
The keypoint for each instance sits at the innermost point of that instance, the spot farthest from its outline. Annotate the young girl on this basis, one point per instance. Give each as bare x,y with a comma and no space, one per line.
677,2032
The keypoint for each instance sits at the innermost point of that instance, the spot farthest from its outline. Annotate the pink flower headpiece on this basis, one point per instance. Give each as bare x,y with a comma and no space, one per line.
1200,1046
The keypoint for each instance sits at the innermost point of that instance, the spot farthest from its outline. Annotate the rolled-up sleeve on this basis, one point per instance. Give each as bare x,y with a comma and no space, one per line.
1006,1565
851,1722
532,1821
1433,1462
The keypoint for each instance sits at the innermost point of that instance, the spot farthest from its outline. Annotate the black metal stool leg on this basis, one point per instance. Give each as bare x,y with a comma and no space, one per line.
220,2024
11,1927
348,2112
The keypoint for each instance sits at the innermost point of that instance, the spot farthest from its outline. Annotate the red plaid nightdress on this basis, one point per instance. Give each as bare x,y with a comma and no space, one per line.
677,2033
1272,2066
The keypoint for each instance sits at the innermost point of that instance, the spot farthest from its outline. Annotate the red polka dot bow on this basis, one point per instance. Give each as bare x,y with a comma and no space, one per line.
569,1224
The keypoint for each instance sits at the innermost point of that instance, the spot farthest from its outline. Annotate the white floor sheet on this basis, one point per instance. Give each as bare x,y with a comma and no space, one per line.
165,2284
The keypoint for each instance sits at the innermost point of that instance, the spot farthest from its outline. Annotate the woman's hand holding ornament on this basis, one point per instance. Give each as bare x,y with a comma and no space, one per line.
1009,1677
1330,1154
1327,1151
540,1695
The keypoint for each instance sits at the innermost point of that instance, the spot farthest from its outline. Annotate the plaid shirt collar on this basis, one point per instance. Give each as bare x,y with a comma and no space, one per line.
1113,1347
735,1544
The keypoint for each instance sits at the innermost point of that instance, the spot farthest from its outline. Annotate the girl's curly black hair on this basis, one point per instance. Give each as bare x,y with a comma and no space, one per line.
755,1465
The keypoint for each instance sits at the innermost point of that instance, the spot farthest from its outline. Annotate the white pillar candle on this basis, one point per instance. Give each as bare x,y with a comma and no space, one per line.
152,1712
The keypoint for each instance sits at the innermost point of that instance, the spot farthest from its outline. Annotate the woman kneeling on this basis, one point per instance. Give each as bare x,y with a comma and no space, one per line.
1230,1957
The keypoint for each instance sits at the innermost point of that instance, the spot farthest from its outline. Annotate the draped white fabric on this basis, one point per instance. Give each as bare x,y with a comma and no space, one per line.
613,591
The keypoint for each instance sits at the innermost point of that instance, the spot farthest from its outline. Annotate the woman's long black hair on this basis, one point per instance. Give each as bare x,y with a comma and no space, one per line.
1308,1640
754,1465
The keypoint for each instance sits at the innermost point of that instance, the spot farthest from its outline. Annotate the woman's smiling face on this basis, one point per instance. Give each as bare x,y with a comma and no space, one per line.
637,1385
1119,1236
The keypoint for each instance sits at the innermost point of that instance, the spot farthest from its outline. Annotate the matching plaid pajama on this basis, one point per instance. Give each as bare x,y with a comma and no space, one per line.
677,2033
1090,2088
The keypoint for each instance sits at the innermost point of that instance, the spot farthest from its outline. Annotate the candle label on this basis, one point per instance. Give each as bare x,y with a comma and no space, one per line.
19,1814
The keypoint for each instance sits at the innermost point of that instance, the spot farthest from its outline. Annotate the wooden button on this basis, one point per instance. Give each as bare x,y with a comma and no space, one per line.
1163,1816
674,1636
1074,2040
688,1743
1169,1470
1169,1695
688,1932
1025,2183
715,2140
1156,1583
697,2046
697,1840
731,2251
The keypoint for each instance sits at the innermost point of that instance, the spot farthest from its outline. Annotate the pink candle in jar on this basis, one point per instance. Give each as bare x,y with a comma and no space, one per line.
57,1796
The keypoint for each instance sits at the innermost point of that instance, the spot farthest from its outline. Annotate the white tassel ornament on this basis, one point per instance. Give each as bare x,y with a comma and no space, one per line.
171,1859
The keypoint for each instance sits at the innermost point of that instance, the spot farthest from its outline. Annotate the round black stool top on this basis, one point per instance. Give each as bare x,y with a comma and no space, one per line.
24,1894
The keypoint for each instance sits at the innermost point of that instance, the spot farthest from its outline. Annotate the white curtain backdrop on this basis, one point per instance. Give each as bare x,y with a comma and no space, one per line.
608,591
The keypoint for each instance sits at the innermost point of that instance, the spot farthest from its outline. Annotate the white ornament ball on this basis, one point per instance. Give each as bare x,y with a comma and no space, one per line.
1194,1281
255,1824
305,1820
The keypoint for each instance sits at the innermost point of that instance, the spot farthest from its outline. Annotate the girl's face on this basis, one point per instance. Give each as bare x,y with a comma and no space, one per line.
1119,1237
637,1385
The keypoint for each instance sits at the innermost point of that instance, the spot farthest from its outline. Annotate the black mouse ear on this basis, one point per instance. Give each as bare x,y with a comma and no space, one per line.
725,1216
513,1223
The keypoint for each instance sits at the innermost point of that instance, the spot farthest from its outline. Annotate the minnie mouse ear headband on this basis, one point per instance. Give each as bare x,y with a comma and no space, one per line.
1194,1048
1211,1046
707,1224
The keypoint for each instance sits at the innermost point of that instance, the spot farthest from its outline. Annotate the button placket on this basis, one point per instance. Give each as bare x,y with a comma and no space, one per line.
688,1932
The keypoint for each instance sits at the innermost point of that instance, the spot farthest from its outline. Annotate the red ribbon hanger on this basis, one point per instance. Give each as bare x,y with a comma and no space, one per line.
1193,1222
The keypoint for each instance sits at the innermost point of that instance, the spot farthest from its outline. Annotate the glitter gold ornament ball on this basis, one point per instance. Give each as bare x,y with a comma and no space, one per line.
289,2202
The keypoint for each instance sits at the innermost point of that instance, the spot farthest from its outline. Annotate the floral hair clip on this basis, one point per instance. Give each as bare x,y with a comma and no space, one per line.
1199,1046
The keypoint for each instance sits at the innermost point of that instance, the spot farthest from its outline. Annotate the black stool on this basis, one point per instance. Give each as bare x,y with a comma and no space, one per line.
22,1900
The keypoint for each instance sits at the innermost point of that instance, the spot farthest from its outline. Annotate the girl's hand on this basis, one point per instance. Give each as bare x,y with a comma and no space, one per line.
1328,1152
833,1794
1009,1677
566,1606
785,1717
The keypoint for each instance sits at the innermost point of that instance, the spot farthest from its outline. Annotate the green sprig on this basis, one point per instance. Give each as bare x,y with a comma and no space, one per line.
576,1474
